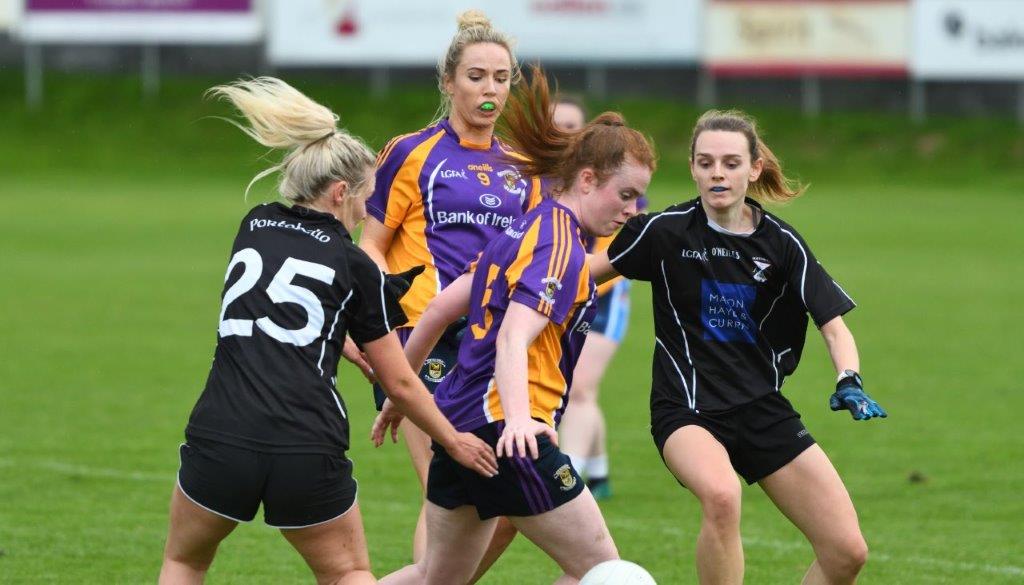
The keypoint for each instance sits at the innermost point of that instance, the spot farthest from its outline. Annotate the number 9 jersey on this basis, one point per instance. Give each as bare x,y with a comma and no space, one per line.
294,287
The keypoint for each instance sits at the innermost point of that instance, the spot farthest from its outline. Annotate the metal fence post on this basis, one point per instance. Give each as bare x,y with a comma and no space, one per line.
33,76
150,70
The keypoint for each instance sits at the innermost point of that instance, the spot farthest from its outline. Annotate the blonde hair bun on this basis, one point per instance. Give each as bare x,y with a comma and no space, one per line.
472,18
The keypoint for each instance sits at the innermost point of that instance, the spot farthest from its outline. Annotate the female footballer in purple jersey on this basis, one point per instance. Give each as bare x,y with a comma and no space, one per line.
582,433
530,302
270,427
444,191
733,286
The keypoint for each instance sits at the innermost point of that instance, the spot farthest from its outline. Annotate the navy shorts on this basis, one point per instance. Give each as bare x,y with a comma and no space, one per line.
523,486
612,315
297,489
760,437
439,363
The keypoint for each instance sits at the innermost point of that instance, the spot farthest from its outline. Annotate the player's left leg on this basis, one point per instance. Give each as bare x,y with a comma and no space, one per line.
335,550
810,493
574,535
504,533
456,542
191,541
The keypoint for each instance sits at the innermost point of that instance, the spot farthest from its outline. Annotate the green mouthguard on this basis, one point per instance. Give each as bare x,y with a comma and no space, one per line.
487,106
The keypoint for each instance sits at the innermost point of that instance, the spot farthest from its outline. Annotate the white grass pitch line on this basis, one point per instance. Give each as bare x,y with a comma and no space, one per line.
1010,570
87,471
934,563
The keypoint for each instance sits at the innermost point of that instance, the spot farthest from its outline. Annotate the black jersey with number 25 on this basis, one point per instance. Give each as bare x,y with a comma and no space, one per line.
730,311
295,286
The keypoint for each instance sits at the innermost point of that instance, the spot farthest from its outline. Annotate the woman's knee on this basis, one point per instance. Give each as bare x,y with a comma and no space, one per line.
343,571
845,557
721,504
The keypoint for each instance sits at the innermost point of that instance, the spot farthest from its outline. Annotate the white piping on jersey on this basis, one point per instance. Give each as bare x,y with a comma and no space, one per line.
330,334
777,359
430,212
649,224
766,315
847,295
430,193
775,368
686,342
383,305
686,387
803,274
487,395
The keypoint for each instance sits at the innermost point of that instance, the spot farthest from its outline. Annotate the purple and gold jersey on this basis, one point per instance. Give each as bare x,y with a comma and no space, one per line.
539,262
445,198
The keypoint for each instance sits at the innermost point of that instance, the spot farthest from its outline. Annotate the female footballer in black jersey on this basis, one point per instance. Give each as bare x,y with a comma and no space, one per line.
732,287
270,426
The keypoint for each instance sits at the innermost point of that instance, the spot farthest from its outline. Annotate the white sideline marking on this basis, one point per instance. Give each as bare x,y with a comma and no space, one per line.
628,524
85,470
872,556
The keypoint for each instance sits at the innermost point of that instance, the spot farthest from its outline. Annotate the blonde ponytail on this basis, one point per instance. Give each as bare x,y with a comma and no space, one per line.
281,116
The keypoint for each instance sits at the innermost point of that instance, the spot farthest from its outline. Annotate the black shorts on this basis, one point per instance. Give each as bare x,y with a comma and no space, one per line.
523,486
297,489
439,363
760,437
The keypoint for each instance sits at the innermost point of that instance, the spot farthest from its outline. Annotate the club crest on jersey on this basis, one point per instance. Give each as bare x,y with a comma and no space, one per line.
761,274
490,200
564,475
513,181
435,369
551,286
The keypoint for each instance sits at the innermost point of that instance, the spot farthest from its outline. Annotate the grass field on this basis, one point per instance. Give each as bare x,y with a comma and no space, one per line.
117,220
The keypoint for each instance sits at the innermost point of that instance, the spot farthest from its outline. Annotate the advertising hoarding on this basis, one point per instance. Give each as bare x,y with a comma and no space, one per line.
811,37
968,39
400,32
140,21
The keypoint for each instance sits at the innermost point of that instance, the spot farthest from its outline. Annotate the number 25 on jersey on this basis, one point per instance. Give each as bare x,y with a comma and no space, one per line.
280,290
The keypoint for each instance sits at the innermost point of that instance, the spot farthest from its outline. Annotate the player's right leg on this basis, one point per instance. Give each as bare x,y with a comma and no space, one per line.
574,535
701,463
191,541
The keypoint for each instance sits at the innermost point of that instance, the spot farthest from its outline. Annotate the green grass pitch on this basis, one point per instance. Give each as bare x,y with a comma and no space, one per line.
117,217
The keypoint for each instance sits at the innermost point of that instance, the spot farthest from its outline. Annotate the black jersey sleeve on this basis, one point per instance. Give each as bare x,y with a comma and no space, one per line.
373,311
823,298
631,252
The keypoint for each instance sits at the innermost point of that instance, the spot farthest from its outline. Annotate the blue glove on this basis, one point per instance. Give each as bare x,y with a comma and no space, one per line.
850,395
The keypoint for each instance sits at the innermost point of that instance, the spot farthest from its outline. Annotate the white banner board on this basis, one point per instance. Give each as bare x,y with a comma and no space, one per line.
968,39
7,13
405,32
816,37
140,21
